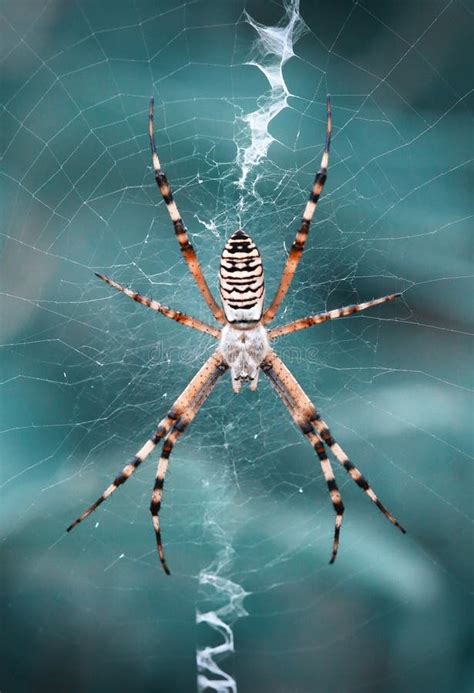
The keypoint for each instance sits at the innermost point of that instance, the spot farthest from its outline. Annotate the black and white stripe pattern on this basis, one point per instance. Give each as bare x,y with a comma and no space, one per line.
170,428
298,244
160,308
304,323
208,377
241,280
187,249
305,415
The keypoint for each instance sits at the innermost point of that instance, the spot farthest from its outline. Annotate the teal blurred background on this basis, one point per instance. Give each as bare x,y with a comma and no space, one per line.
86,373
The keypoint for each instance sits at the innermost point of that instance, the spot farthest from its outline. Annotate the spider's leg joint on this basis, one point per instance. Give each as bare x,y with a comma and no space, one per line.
179,426
306,427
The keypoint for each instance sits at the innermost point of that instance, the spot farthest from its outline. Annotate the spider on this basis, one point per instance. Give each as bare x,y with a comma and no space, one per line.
243,347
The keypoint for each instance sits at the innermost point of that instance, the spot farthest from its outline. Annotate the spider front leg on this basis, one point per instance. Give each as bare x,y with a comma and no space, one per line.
129,469
323,430
302,420
309,421
181,414
208,381
297,395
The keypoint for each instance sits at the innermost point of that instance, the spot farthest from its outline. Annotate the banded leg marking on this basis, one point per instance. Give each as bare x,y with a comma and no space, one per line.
176,315
304,424
209,372
178,429
354,473
187,249
157,495
129,469
304,323
296,399
334,492
297,247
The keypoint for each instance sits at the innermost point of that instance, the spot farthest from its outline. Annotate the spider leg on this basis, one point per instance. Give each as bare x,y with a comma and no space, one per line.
297,247
305,414
184,401
187,249
176,315
163,427
334,493
206,387
323,430
304,323
302,420
157,496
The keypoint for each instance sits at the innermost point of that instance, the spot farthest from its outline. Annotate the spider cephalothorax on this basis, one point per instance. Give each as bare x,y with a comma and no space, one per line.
244,351
243,347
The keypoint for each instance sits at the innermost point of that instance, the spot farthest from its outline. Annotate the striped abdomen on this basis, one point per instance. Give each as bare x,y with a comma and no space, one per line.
241,281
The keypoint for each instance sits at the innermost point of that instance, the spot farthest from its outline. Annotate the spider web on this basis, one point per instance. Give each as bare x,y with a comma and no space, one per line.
239,91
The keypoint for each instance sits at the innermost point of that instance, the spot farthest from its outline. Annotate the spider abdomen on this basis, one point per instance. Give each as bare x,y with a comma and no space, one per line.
241,281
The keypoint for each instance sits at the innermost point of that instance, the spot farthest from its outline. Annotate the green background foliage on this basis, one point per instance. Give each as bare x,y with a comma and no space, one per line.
86,373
